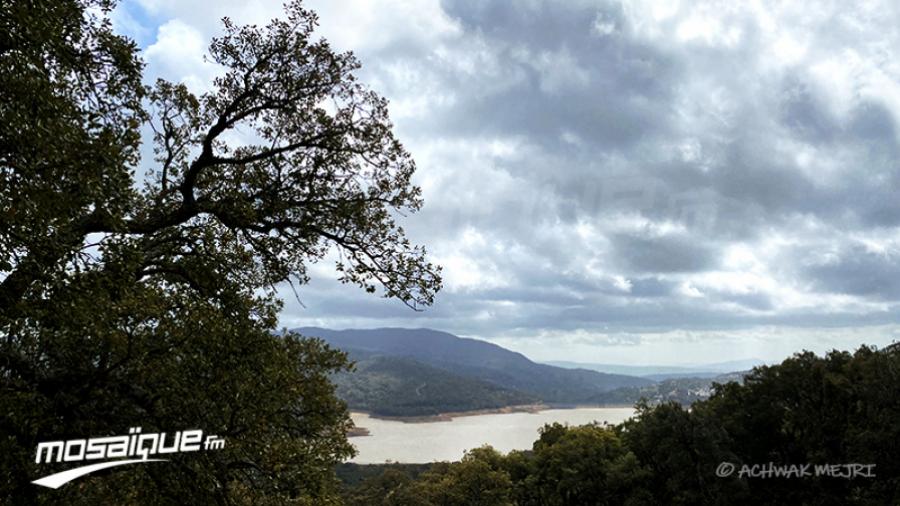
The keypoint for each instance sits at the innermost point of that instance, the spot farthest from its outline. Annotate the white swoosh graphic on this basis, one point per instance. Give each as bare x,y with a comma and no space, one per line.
59,479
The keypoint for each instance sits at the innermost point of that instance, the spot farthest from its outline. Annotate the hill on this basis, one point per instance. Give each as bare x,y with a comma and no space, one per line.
475,359
399,386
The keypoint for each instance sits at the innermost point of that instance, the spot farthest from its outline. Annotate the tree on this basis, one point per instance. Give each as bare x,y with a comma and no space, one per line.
584,465
478,479
392,487
152,301
840,408
680,449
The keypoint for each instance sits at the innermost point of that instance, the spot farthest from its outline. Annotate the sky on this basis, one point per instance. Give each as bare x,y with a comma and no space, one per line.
625,182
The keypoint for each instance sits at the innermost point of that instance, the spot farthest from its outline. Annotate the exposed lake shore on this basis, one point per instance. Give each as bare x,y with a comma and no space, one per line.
449,416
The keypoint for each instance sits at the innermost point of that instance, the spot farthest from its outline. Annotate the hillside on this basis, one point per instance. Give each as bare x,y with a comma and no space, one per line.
399,386
479,360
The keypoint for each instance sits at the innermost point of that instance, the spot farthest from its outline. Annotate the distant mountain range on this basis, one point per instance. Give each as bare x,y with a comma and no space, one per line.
683,390
415,372
663,372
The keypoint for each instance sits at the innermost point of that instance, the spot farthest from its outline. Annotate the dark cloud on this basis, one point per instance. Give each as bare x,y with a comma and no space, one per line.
857,270
651,287
805,113
662,254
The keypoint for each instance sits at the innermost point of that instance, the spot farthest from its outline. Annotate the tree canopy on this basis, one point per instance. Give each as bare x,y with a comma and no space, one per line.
150,299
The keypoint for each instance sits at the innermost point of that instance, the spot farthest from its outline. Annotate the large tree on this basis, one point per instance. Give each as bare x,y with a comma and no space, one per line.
149,299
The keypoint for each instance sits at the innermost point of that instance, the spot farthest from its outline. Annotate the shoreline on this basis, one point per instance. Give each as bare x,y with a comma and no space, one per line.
358,432
450,415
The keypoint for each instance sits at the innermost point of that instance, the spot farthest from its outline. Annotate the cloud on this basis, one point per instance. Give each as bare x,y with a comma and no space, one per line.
632,170
177,55
662,254
857,269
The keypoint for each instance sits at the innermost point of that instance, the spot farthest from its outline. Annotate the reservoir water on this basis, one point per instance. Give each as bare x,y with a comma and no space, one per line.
396,441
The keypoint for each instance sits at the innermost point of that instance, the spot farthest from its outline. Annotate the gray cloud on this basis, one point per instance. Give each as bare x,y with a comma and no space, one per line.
662,254
603,167
857,270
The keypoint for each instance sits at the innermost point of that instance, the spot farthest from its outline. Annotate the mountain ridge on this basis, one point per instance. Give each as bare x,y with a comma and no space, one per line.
481,360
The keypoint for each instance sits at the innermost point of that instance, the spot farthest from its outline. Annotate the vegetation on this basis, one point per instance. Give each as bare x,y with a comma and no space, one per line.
129,301
482,361
397,386
842,408
353,474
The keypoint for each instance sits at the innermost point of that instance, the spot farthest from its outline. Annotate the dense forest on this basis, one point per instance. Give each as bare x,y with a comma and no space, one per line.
837,410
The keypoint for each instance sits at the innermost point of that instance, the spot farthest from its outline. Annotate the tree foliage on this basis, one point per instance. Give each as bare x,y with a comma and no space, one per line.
149,300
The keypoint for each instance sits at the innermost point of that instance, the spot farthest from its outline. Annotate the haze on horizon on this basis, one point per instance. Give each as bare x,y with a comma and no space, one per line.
620,182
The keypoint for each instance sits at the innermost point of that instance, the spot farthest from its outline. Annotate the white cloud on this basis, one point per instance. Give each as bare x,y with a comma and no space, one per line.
178,56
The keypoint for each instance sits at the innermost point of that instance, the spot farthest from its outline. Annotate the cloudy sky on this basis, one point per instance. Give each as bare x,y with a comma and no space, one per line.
632,182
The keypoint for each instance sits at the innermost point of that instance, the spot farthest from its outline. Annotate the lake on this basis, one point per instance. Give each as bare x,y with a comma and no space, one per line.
447,440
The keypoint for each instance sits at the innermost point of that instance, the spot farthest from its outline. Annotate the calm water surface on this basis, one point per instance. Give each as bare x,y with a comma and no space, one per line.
436,441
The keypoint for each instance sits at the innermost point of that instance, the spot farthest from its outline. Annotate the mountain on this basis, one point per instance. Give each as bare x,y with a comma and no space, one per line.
480,360
399,386
663,372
